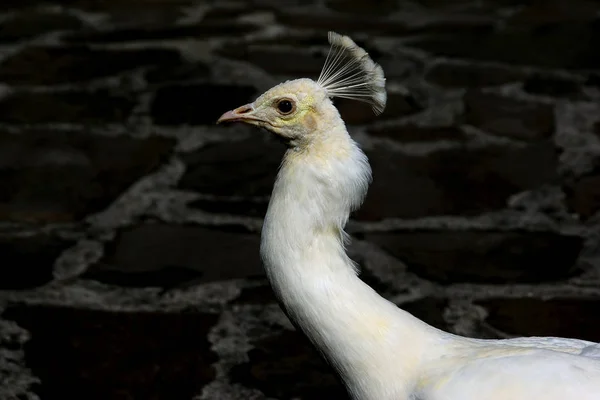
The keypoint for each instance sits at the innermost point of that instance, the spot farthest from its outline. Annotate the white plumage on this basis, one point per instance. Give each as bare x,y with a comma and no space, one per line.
380,351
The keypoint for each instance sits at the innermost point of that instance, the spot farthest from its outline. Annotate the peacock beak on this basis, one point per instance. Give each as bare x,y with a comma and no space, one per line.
241,114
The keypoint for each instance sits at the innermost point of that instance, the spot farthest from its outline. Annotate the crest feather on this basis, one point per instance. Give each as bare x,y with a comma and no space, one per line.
349,72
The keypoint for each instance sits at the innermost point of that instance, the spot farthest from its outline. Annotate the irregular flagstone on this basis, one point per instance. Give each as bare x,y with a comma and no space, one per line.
413,133
197,104
505,116
230,11
357,113
338,22
457,181
279,59
413,22
468,4
562,317
68,64
471,75
363,7
553,86
535,14
240,174
167,255
89,107
260,294
583,195
250,208
568,45
60,176
286,367
429,310
188,71
167,31
31,24
483,256
27,260
242,168
109,355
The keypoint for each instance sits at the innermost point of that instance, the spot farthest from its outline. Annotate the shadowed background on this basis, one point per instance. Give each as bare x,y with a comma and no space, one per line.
129,222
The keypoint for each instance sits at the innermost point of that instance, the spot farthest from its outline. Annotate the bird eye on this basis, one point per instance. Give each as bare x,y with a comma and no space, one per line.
285,106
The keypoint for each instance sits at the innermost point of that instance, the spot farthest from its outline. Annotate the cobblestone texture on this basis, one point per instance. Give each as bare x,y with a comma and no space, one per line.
129,222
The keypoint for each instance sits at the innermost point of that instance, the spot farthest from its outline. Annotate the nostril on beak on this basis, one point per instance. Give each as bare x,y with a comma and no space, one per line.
244,110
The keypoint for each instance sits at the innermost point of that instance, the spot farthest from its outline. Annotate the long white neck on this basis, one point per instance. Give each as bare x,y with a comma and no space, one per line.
368,340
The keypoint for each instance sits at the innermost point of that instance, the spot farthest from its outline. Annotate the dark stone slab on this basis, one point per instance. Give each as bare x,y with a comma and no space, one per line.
541,14
177,73
21,4
98,5
262,294
505,116
297,62
412,133
562,317
363,7
371,279
483,256
197,104
471,75
287,367
242,168
250,208
468,4
338,22
168,255
429,310
31,24
202,29
118,12
78,63
50,176
292,55
379,22
96,107
400,67
27,260
451,23
289,40
145,12
356,113
567,44
583,195
593,79
455,181
116,355
553,86
167,277
231,11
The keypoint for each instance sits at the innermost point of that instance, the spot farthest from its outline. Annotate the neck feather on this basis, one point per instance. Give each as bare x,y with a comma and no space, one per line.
303,251
316,189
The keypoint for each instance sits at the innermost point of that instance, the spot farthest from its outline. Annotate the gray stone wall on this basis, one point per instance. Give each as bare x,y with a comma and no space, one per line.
129,222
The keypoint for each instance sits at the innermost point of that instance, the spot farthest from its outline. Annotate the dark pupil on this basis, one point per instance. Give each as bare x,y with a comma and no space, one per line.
285,106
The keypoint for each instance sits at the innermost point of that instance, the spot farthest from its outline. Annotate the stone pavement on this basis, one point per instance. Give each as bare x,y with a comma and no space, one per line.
130,223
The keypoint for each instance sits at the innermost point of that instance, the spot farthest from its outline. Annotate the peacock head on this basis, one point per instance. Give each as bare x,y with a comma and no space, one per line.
295,110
